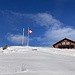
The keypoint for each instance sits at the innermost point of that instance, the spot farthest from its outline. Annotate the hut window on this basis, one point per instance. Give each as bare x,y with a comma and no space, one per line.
63,43
68,43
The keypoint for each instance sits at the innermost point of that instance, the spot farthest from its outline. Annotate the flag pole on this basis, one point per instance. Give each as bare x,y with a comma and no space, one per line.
23,37
28,38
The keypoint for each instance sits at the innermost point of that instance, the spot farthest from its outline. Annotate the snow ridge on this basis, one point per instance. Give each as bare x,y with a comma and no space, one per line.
26,60
12,49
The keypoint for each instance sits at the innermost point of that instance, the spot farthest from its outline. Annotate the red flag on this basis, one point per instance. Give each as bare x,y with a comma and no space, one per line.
29,31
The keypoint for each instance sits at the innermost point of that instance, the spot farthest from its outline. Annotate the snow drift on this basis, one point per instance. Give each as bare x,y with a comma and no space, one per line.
18,60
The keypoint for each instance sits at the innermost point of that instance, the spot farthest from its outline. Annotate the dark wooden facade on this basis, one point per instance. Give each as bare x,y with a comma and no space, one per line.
65,43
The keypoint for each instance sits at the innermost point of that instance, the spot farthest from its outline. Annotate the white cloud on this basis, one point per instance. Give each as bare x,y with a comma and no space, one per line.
56,30
42,19
45,19
52,36
15,38
56,34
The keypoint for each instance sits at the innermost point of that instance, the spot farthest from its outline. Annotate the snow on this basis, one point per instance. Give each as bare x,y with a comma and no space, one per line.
26,60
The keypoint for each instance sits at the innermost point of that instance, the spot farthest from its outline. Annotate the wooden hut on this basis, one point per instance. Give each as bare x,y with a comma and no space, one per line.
65,43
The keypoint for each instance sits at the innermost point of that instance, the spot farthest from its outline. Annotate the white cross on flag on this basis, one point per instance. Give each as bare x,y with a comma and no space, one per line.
29,31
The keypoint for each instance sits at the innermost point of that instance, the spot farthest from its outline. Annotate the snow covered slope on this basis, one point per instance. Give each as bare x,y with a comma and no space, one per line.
18,60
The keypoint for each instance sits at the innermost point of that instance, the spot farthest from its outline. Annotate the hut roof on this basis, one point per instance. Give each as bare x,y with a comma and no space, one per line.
62,40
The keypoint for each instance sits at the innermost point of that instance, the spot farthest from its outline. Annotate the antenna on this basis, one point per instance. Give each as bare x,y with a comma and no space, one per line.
23,37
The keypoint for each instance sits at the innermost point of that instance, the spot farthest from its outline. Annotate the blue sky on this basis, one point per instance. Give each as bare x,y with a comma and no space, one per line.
50,21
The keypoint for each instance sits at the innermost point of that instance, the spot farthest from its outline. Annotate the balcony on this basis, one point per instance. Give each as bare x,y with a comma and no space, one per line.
66,46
